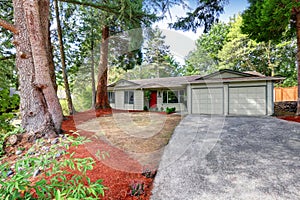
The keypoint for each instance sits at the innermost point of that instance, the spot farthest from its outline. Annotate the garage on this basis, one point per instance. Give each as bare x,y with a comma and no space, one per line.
208,101
229,92
247,100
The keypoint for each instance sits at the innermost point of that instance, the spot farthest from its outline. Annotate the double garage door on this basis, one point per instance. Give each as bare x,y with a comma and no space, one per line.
250,100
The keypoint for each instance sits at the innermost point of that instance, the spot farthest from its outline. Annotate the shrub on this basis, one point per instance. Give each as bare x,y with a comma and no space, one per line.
170,110
54,184
145,108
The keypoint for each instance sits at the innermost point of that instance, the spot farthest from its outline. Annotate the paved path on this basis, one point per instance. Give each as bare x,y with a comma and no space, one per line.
230,158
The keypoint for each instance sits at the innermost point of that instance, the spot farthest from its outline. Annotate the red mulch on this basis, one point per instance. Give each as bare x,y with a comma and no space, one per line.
116,180
290,118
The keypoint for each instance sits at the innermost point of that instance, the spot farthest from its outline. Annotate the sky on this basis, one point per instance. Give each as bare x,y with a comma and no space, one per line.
182,42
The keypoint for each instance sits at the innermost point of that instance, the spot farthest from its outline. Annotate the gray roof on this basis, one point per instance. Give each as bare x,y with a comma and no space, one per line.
168,82
181,81
238,79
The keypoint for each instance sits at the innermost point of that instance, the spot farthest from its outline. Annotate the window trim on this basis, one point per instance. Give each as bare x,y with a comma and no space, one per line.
178,94
111,96
128,99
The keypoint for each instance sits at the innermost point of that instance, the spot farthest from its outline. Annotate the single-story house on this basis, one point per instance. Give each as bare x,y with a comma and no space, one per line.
225,92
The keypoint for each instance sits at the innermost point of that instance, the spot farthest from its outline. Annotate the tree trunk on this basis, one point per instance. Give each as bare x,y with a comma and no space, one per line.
93,76
298,57
63,60
93,69
102,98
40,110
49,49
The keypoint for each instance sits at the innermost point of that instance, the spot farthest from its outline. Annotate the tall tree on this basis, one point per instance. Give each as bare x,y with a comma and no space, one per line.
40,109
157,56
270,20
63,59
7,54
205,59
242,53
205,14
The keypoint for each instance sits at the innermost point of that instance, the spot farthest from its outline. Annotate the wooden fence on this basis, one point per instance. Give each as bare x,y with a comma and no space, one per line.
286,94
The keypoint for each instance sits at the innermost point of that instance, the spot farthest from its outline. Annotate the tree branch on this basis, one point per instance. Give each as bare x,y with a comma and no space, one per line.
8,26
135,16
103,7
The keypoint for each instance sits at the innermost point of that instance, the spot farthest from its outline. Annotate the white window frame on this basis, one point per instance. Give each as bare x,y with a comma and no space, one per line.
129,97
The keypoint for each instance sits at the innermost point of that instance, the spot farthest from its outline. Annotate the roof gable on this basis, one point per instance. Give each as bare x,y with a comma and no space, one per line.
226,73
123,83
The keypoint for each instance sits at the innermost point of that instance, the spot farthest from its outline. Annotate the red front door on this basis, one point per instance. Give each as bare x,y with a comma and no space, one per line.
153,99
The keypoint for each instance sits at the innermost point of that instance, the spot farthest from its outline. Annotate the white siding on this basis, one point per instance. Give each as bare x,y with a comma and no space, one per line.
247,100
270,98
207,101
253,83
226,103
138,100
119,95
189,99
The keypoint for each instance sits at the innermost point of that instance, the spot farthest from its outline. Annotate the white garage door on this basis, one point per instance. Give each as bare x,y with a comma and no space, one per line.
207,101
247,100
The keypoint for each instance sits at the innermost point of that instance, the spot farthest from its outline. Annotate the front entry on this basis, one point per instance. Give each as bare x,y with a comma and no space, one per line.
153,99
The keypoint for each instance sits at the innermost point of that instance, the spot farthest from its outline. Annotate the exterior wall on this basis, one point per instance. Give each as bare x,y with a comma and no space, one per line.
270,98
226,99
180,107
189,99
230,75
119,95
119,101
138,100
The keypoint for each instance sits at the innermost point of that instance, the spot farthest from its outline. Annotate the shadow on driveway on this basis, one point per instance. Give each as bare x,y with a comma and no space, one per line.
230,158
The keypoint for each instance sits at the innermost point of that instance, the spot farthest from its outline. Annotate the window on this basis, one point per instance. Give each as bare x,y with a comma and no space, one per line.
176,96
129,97
111,97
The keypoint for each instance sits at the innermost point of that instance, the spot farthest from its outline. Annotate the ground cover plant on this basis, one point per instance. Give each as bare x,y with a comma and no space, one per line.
65,168
41,173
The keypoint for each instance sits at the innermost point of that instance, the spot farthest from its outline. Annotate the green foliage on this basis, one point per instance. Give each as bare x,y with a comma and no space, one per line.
64,106
54,183
136,188
145,108
8,105
204,59
269,19
101,155
235,50
170,110
82,96
157,60
205,14
8,75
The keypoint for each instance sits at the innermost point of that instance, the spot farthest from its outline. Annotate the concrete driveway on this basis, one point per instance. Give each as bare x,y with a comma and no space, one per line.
230,158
